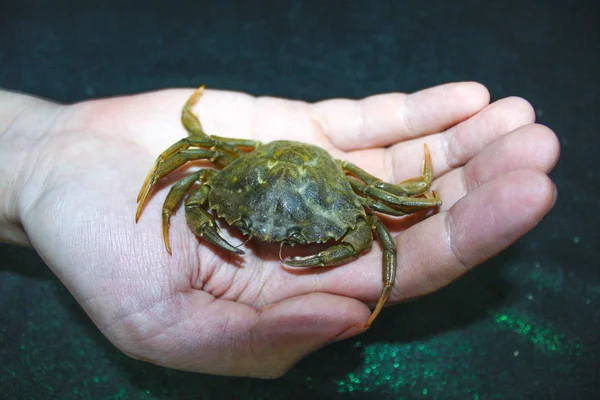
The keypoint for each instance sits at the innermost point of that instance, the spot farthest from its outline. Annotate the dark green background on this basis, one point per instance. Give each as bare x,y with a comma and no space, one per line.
525,325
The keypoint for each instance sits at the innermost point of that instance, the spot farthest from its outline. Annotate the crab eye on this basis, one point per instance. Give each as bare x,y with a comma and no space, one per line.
295,237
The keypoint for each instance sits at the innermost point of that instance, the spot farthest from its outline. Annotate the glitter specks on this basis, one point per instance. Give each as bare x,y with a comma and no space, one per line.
544,337
383,368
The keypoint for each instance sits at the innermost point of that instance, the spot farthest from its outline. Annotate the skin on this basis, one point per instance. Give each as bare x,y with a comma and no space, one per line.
69,178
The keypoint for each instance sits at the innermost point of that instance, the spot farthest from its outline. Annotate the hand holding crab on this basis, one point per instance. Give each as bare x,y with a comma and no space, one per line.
286,192
208,310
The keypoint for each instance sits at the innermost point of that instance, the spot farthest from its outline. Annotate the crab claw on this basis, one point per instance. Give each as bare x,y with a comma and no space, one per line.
213,235
204,226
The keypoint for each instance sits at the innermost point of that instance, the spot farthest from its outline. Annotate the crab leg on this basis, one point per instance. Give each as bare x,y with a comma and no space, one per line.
202,223
388,268
165,165
353,244
192,124
356,241
410,187
380,207
176,195
401,204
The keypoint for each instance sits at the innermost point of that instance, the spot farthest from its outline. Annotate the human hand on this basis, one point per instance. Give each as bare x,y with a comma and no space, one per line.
78,168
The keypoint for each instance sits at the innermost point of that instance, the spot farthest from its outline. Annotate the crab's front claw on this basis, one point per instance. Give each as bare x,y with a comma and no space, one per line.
335,255
357,241
204,226
202,223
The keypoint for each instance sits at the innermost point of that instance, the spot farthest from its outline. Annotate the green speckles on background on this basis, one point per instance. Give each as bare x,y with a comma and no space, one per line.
386,369
439,364
542,335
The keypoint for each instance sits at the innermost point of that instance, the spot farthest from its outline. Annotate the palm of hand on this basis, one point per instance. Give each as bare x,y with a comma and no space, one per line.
202,310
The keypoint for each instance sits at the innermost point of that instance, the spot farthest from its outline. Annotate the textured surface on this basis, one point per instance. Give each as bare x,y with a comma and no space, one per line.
523,325
285,188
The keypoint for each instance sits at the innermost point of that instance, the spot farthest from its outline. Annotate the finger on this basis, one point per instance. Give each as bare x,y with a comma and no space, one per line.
449,149
441,248
386,119
457,145
529,147
348,124
462,142
227,338
383,119
477,227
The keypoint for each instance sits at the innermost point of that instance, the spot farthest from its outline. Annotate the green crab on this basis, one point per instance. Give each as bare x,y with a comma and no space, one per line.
286,192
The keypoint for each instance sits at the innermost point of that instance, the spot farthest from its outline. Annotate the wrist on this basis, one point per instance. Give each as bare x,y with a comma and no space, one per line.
21,126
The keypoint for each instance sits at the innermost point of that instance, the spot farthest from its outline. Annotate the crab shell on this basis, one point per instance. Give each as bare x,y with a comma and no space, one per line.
286,191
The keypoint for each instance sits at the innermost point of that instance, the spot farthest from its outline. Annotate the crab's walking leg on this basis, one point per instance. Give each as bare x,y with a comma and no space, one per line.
410,187
165,165
356,241
176,195
401,204
202,223
192,124
389,265
353,244
167,160
378,206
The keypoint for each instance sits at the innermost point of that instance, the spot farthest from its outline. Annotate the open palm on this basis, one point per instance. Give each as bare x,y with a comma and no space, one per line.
204,310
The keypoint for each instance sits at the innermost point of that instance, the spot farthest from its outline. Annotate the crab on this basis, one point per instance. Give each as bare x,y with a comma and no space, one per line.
285,192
